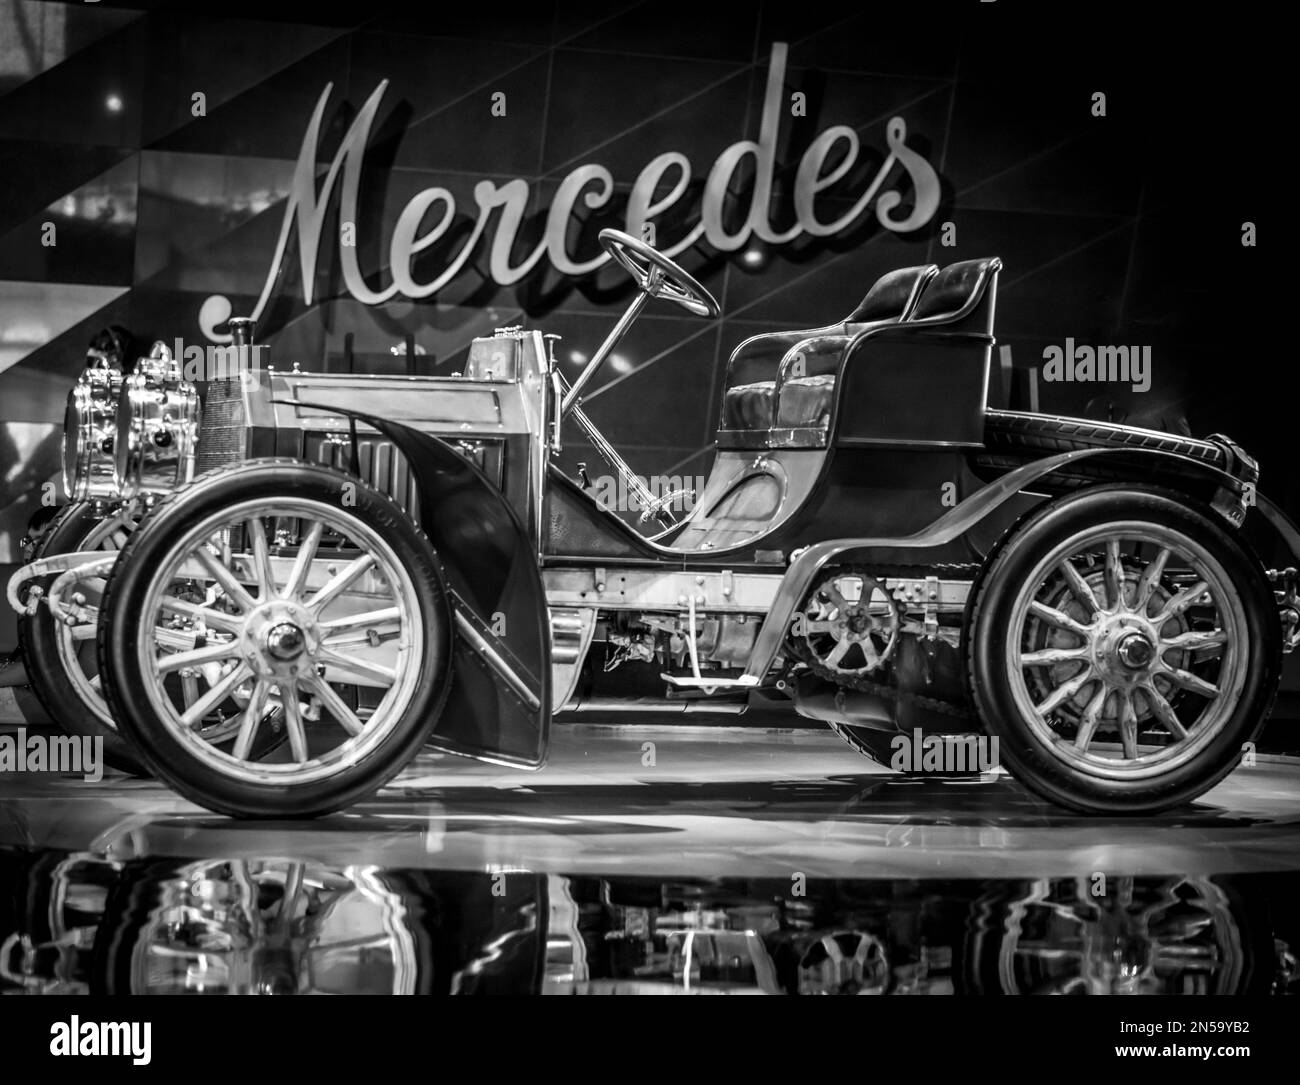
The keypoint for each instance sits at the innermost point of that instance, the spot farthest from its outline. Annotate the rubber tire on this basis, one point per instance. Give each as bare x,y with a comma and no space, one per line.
1029,761
124,600
38,642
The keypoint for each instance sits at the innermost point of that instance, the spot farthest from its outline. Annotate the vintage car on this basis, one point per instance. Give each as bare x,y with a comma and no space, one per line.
301,582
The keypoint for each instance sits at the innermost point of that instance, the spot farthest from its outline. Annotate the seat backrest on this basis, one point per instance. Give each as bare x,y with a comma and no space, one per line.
963,293
893,296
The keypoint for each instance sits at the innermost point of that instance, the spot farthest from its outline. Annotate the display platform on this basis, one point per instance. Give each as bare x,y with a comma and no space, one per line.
648,859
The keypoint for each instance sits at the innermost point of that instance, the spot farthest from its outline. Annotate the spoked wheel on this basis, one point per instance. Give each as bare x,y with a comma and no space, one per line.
300,594
1124,648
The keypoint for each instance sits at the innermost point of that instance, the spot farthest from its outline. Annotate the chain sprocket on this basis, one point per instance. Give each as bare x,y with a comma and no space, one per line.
860,682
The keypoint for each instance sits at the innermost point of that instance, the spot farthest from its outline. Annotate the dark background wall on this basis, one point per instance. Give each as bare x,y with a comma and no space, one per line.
1122,229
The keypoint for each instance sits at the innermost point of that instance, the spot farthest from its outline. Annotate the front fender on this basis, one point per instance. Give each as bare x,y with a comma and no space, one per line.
951,525
498,708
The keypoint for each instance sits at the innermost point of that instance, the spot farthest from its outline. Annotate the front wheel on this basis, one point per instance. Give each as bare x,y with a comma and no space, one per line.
1124,648
300,596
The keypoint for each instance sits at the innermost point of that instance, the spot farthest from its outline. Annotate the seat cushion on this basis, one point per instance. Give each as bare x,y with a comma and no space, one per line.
806,402
749,406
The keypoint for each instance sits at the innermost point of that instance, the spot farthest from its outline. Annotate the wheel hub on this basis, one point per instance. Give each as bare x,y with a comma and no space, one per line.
1124,649
286,641
1134,651
280,639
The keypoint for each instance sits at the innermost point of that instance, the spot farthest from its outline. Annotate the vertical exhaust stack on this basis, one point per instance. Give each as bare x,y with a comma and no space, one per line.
223,433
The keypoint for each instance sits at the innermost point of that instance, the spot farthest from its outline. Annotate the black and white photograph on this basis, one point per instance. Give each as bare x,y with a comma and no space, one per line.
637,497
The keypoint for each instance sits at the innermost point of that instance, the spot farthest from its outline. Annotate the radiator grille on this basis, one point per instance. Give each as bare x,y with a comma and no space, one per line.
222,431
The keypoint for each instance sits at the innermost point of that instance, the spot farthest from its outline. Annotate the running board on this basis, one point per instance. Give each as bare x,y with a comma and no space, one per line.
745,681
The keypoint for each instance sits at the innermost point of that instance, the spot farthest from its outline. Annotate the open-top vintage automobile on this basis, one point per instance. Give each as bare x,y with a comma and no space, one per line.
334,572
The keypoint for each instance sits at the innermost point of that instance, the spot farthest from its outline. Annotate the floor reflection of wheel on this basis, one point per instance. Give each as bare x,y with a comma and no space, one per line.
1140,936
844,962
268,927
45,944
61,660
317,601
1124,648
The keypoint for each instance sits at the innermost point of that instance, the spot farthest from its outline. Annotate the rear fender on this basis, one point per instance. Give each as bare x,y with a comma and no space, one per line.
1216,487
498,708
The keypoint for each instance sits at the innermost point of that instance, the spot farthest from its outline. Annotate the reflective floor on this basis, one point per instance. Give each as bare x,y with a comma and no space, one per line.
674,860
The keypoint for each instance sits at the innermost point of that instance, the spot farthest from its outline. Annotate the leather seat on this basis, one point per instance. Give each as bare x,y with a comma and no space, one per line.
805,398
749,406
763,363
805,402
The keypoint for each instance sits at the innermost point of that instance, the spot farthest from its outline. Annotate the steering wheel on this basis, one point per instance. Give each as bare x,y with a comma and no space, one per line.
658,276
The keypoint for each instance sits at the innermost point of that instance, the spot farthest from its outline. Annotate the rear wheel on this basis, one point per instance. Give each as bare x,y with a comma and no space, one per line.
61,660
1124,648
311,597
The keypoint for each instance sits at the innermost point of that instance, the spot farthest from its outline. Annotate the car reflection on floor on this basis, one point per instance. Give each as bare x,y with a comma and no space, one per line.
81,924
772,863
